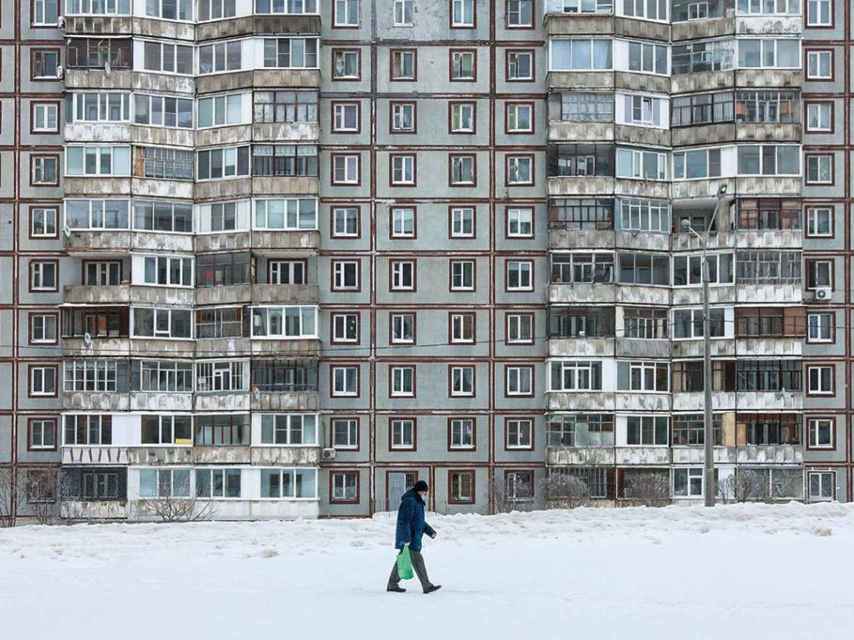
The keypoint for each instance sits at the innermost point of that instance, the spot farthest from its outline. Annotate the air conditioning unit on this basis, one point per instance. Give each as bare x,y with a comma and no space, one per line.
823,294
327,455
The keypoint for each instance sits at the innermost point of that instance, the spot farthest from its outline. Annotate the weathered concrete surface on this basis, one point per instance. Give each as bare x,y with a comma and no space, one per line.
721,401
95,401
285,401
125,294
286,456
773,454
598,347
93,510
308,347
94,455
160,401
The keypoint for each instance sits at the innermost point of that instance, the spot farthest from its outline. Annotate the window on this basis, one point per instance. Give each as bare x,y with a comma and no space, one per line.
403,12
579,54
403,117
581,430
44,170
582,107
42,433
294,7
346,13
819,13
699,56
345,222
648,58
462,13
820,327
520,14
169,9
345,169
163,376
289,429
461,433
520,65
220,376
283,160
696,163
769,160
463,65
344,487
769,54
44,13
688,323
639,164
519,381
644,269
688,482
575,375
519,328
819,64
97,161
167,271
284,322
345,117
402,434
402,223
106,273
646,431
821,432
820,380
44,275
461,487
345,380
819,168
108,53
222,430
44,64
94,375
294,53
345,327
345,433
519,433
404,64
819,222
168,430
519,117
402,275
99,485
222,269
643,376
461,328
819,116
402,168
769,8
289,483
688,429
287,272
644,110
768,376
286,215
520,222
768,106
462,168
520,275
164,483
43,222
43,328
346,64
177,164
768,267
819,273
216,9
87,430
162,323
345,275
401,382
219,323
705,108
822,485
462,117
402,326
462,222
170,58
688,270
284,375
45,117
164,111
282,106
520,170
462,275
645,323
42,381
569,268
112,106
461,381
218,483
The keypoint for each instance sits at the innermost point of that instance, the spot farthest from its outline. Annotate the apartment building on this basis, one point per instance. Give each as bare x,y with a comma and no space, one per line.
281,258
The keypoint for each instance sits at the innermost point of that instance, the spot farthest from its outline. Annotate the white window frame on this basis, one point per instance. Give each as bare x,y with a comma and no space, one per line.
345,486
45,217
42,378
341,325
346,169
823,163
516,437
814,222
519,218
402,275
343,212
39,17
463,275
814,64
398,117
400,333
308,423
824,374
39,427
513,65
352,425
42,112
815,426
823,113
464,159
514,11
513,337
44,328
403,170
145,259
400,216
525,270
462,112
304,311
824,477
458,222
340,374
823,323
402,9
519,380
401,381
513,109
461,434
516,173
691,473
457,385
220,376
458,322
339,275
815,9
39,270
585,367
342,13
463,14
402,434
339,117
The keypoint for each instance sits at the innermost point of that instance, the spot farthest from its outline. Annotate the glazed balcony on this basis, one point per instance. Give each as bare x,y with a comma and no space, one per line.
694,401
720,348
160,455
642,348
213,401
299,243
109,401
639,455
286,455
642,401
582,347
771,293
162,348
304,347
769,238
161,401
770,401
770,454
696,455
125,294
770,346
94,455
125,78
594,401
221,455
708,28
88,510
122,241
269,400
579,456
297,24
107,347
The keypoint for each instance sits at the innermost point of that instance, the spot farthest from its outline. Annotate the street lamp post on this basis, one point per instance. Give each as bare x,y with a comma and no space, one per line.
708,435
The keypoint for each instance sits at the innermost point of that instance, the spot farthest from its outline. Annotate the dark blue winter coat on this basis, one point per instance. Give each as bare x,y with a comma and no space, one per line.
411,524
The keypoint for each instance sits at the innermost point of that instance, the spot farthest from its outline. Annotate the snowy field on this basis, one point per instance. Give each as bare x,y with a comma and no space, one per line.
740,571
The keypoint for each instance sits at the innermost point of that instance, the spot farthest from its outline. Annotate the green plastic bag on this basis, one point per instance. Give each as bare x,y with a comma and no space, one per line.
404,564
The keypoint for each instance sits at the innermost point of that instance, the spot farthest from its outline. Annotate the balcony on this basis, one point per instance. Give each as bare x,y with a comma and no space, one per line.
642,401
94,455
558,23
161,401
566,131
642,348
570,238
162,455
257,24
285,185
93,187
707,28
583,293
783,293
286,243
268,400
221,401
162,348
95,401
595,401
769,78
770,454
703,134
770,401
98,78
642,455
286,456
696,455
121,241
694,401
720,348
125,294
770,346
221,455
578,80
768,132
286,132
581,456
87,510
587,346
305,347
98,25
106,347
769,238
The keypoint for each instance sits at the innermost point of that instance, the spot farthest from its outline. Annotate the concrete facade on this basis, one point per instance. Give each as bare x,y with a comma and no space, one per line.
284,264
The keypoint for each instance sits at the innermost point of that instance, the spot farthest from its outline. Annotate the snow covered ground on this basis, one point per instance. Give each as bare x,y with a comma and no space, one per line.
740,571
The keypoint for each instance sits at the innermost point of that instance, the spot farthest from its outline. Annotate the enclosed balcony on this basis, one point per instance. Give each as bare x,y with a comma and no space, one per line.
770,331
581,331
769,438
284,385
769,385
769,223
585,439
768,276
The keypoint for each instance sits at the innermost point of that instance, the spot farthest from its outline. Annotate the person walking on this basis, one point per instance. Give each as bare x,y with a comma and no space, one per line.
411,525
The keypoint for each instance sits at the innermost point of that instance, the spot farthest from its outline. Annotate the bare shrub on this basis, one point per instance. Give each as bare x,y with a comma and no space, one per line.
177,509
8,498
650,488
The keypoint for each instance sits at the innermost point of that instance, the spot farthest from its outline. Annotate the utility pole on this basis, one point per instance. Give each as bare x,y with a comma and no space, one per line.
708,430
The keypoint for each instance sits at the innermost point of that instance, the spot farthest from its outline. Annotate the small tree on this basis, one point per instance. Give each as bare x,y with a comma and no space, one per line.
40,489
565,489
648,487
8,498
507,501
177,509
